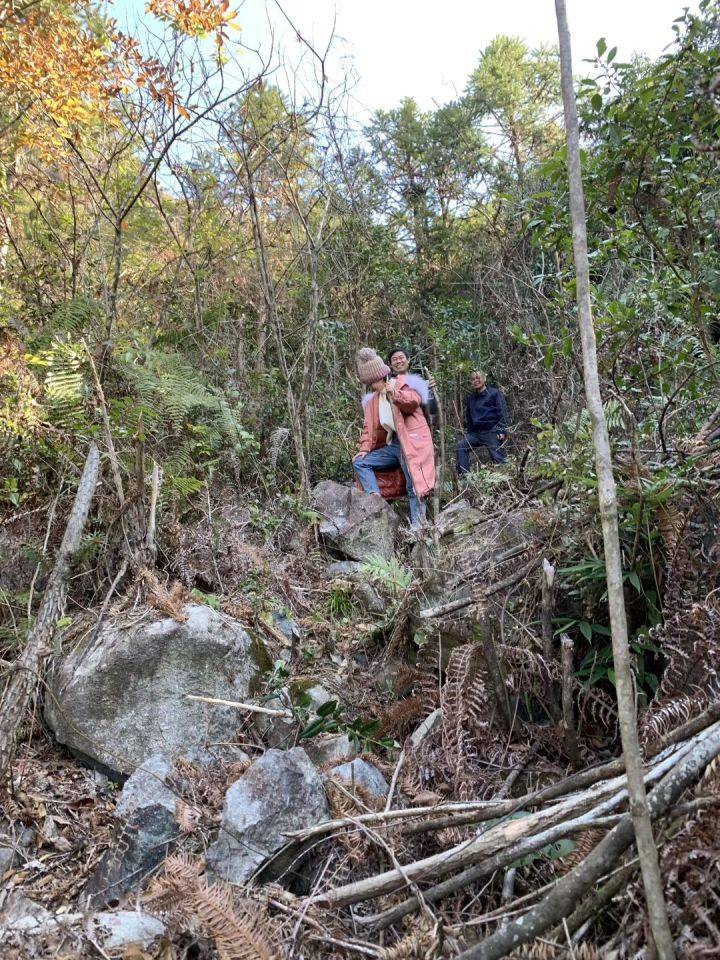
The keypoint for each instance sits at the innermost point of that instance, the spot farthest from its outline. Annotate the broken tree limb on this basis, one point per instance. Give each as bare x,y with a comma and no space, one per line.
571,888
566,654
548,825
252,707
478,872
430,613
28,670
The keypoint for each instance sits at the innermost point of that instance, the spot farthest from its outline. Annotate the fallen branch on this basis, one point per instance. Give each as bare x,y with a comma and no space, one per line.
252,707
571,888
505,838
430,613
28,670
574,813
478,872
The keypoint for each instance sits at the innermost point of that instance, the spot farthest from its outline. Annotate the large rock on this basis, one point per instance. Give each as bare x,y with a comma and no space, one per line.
355,524
145,829
360,773
279,793
122,698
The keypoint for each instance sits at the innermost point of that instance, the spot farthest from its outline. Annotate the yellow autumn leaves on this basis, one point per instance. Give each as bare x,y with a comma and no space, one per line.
60,69
195,17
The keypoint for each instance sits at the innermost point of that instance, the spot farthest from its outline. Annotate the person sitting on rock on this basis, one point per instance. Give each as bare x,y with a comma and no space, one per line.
486,420
399,362
396,443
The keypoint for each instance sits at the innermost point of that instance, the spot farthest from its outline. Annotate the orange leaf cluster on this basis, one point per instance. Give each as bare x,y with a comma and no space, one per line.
56,75
51,68
195,17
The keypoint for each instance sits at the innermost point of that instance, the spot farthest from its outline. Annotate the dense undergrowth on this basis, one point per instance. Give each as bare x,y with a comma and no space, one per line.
200,314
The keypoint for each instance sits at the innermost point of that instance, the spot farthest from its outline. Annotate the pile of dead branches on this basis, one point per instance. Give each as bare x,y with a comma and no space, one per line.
589,807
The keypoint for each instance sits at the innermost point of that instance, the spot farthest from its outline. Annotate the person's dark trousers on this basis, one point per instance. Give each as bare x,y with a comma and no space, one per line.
478,438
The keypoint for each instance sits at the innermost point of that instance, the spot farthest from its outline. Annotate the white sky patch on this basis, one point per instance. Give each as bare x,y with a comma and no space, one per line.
426,50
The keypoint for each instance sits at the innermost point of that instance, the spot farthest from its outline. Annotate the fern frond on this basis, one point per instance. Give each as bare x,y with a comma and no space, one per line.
238,926
278,439
422,943
65,381
399,718
691,642
77,315
549,951
584,845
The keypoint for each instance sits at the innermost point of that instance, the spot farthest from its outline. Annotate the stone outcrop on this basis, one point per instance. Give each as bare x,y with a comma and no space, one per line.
122,697
279,793
354,524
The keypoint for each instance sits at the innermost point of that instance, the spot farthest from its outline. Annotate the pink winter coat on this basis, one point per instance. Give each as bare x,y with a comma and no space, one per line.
412,430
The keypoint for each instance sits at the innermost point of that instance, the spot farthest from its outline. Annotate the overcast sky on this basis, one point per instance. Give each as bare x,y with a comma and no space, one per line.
426,49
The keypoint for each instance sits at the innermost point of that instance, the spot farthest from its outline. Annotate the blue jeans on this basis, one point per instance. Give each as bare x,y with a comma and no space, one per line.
385,458
478,438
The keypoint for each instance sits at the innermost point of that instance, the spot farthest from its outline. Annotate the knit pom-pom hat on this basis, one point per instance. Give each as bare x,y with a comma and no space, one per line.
370,367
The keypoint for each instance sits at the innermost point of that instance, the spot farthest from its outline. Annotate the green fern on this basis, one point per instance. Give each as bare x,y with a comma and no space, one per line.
172,397
76,316
65,381
389,573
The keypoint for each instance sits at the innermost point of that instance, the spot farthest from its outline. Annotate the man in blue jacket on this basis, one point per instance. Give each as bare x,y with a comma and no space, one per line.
487,419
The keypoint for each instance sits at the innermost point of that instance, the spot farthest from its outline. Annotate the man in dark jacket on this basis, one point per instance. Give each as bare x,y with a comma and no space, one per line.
486,420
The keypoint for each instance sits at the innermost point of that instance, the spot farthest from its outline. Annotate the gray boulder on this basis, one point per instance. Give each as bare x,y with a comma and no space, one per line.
330,748
122,697
359,587
118,931
355,524
145,829
280,792
362,774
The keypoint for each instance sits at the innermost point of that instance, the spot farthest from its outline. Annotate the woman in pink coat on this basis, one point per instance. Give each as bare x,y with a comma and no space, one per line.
396,440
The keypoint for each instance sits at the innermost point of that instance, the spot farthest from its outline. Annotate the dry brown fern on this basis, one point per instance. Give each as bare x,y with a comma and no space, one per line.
549,951
187,816
584,845
402,717
348,800
168,600
237,925
423,943
691,642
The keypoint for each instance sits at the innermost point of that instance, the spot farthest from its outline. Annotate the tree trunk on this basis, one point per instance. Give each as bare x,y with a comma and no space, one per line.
608,513
27,671
268,289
